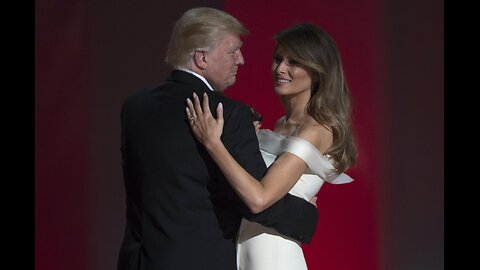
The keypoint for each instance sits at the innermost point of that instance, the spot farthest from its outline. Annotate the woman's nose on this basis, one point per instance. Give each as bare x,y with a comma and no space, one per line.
279,67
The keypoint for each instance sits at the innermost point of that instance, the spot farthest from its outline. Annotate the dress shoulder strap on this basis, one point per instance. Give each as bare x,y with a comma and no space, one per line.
318,163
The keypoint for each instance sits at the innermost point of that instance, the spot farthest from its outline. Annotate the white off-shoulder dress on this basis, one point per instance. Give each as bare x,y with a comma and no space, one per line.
263,248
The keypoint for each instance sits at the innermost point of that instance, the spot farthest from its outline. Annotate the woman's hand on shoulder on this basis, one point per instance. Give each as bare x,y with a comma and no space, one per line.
205,127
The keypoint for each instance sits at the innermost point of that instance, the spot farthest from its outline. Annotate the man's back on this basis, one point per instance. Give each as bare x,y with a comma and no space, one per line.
180,214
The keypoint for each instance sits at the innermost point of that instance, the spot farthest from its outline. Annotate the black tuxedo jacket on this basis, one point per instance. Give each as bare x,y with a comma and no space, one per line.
181,212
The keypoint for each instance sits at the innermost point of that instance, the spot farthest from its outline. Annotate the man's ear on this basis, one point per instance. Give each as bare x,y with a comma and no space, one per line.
199,58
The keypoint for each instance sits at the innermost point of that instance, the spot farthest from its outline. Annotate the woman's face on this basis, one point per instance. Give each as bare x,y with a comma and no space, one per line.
289,78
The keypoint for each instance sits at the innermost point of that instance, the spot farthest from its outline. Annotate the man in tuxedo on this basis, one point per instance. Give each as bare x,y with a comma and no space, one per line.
181,212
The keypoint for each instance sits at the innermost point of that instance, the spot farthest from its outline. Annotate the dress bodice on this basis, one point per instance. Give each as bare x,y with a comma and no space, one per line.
320,168
263,248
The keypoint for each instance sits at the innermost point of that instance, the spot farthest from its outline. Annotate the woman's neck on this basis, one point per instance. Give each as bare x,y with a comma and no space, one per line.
294,117
295,109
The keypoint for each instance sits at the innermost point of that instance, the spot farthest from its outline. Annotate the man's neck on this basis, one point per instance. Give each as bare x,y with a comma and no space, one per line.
199,76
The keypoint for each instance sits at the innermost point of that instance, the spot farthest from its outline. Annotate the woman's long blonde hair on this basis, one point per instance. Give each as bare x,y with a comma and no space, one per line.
330,102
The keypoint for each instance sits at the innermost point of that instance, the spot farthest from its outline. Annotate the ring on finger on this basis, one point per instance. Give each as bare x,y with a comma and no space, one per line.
192,118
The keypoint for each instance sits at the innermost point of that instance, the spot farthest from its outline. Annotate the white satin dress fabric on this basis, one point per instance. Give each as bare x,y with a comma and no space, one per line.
263,248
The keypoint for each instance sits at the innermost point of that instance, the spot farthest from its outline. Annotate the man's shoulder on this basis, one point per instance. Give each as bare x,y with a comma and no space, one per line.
238,115
232,104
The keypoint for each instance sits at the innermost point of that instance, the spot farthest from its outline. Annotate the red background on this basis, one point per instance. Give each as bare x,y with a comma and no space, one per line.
346,233
89,55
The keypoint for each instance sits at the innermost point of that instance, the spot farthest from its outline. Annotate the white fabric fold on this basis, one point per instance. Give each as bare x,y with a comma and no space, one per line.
317,163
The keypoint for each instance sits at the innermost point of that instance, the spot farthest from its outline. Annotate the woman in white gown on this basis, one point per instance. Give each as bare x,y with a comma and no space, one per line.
311,144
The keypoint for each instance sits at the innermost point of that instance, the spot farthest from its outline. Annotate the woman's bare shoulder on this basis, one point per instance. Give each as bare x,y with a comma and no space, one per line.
319,135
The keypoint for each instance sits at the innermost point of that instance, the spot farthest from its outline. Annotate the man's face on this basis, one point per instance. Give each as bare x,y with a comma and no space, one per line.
222,62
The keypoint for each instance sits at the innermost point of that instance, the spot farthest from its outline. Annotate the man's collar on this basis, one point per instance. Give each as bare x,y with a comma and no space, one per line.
199,76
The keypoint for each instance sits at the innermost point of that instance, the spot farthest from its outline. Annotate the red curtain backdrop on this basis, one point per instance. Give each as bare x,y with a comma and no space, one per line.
61,135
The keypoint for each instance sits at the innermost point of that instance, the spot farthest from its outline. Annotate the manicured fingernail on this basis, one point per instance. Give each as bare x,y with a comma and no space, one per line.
204,93
189,101
220,105
195,94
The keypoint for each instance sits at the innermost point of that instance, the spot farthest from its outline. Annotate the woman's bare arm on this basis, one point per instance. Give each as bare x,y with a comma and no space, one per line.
257,195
